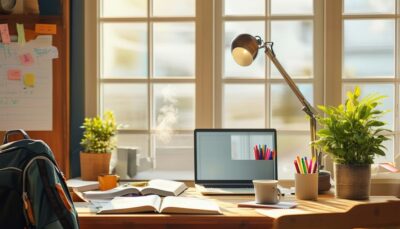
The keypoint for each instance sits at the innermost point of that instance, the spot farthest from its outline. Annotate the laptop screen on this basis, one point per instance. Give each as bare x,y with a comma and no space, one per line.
239,155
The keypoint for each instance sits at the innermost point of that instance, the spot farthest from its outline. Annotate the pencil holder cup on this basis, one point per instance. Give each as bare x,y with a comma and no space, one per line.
306,186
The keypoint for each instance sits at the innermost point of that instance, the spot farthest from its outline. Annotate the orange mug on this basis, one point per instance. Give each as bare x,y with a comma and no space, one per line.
107,182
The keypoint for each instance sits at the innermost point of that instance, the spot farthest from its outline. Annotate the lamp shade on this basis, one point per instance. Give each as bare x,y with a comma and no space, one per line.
244,49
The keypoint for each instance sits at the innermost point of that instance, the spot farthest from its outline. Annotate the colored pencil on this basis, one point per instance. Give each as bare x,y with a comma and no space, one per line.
304,165
255,153
315,166
297,166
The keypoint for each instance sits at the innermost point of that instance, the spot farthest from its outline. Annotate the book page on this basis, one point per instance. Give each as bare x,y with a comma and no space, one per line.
164,187
189,205
81,185
132,205
109,194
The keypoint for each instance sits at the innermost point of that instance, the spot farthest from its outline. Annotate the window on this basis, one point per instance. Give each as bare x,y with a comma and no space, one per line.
147,77
257,96
369,57
164,67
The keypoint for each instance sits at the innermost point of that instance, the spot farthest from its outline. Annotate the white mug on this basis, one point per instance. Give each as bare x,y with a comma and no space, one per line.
266,191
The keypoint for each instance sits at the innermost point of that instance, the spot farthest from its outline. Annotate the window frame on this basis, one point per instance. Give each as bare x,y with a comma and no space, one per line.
328,61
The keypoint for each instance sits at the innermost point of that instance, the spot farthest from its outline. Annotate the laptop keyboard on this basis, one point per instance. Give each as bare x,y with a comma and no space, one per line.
228,186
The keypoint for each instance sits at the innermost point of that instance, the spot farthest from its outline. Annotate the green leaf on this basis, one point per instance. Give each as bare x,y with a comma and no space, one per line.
351,132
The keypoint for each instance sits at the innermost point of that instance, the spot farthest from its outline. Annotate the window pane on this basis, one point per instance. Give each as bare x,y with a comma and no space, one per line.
296,7
286,109
128,165
293,46
124,8
174,153
370,6
174,106
231,68
162,8
389,157
369,48
290,146
244,7
381,89
243,106
124,50
129,103
174,50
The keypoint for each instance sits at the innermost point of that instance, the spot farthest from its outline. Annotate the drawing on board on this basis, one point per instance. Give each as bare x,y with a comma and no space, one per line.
26,84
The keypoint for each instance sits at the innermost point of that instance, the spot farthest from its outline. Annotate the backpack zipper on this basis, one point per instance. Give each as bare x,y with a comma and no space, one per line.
11,168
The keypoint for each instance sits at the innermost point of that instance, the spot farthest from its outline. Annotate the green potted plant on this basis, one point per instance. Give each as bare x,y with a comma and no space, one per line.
352,134
98,142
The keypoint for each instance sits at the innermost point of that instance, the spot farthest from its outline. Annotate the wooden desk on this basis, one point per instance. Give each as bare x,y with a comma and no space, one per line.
327,212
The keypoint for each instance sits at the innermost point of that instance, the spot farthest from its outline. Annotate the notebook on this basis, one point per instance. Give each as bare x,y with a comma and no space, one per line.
227,160
167,205
280,205
157,187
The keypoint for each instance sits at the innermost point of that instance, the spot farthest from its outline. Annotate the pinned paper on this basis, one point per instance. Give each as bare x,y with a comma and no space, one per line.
50,52
13,74
4,33
21,33
26,59
29,80
46,28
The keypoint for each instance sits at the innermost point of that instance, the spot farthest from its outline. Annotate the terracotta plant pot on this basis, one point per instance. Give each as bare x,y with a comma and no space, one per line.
352,181
94,164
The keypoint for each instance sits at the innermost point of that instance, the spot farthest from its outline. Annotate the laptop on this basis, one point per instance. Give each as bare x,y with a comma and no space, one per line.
226,162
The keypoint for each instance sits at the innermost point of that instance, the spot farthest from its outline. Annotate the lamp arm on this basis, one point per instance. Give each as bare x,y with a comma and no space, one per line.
307,107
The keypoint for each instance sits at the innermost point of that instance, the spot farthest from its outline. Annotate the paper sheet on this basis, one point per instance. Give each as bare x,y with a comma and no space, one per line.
26,85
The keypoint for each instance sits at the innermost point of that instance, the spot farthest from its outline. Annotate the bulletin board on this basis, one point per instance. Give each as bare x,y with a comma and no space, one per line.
34,82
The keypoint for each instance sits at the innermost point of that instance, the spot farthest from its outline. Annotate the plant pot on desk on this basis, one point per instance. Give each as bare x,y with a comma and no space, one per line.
94,164
352,181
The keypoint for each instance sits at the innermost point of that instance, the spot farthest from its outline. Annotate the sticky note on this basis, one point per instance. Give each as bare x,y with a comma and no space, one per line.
13,74
4,33
29,80
21,33
26,59
46,28
50,52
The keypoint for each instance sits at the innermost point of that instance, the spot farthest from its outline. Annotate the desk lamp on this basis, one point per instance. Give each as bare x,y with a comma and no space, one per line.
244,51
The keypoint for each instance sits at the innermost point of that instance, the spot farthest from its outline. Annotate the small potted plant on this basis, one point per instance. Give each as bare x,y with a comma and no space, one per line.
98,142
352,134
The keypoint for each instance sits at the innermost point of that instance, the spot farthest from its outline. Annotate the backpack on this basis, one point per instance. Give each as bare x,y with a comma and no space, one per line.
33,192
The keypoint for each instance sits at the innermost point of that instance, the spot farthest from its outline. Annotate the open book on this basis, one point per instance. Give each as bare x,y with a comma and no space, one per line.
157,187
153,203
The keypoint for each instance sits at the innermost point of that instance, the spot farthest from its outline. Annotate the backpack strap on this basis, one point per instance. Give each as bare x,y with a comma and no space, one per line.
51,195
12,132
